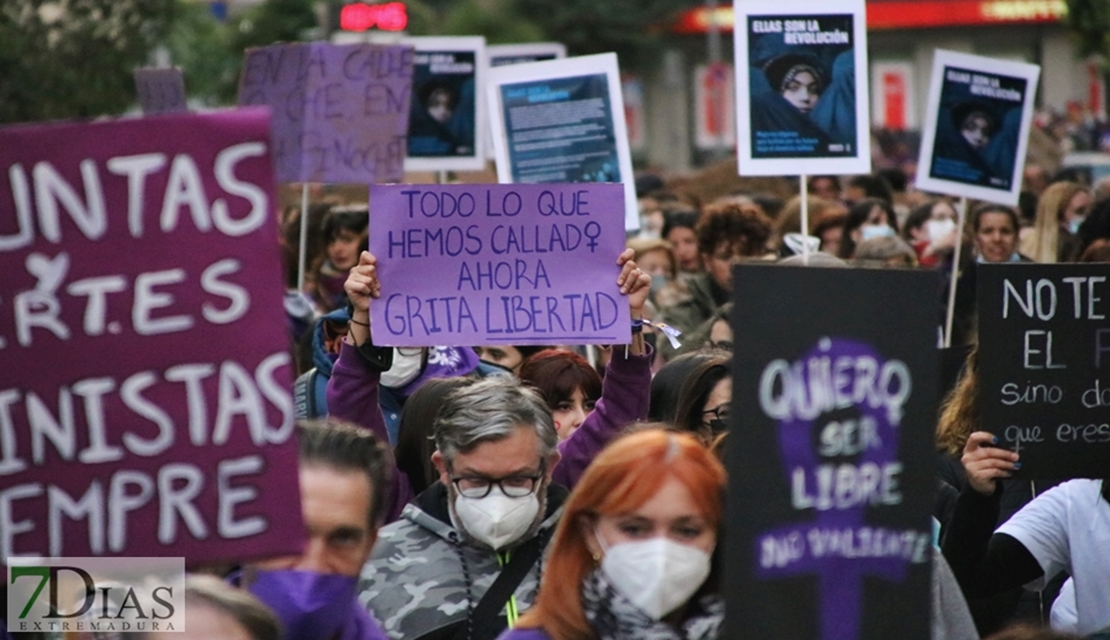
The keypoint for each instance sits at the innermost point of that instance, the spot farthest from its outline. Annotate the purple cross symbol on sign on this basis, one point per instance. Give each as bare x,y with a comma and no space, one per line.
843,466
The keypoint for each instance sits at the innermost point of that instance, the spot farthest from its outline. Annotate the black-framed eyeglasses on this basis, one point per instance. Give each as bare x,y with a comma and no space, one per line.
717,418
477,487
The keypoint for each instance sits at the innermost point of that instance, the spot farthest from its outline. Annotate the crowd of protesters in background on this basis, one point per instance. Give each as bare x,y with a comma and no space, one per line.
573,493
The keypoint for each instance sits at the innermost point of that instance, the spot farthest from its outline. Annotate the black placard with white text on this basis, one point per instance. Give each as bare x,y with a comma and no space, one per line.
1044,366
830,458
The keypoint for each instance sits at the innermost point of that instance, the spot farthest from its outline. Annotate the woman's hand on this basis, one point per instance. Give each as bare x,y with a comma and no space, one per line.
361,285
635,285
633,282
985,463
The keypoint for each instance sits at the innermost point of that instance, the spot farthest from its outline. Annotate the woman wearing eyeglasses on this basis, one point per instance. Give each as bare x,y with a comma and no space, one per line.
704,400
632,555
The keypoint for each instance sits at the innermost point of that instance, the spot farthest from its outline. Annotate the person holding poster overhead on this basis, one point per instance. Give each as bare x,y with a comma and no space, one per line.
482,528
632,556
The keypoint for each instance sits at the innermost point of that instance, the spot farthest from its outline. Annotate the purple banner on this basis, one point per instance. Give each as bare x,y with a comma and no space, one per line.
498,264
144,392
161,90
340,112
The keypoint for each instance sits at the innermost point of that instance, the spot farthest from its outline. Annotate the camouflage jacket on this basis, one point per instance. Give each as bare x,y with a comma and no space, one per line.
415,584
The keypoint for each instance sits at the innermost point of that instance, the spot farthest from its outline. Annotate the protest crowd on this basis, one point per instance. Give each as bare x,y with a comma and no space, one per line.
535,491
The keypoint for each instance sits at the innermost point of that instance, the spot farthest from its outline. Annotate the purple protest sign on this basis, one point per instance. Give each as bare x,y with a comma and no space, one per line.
498,264
831,489
340,112
144,392
161,90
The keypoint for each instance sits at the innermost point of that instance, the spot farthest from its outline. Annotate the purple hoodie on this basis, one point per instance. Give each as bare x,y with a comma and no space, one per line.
625,392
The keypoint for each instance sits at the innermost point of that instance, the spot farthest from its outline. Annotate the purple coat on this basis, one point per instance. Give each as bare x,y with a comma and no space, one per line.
353,396
524,634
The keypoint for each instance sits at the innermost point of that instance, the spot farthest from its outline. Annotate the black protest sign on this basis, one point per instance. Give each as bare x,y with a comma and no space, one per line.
831,456
1044,366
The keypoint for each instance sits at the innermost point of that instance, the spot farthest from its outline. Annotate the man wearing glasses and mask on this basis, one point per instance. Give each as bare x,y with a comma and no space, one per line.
464,559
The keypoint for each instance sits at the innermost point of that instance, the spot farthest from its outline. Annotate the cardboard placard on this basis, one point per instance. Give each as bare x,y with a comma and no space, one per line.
509,264
1044,366
145,405
446,121
831,457
562,121
161,90
801,74
340,113
977,127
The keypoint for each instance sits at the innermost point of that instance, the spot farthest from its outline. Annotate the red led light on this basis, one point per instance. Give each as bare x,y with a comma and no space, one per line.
359,16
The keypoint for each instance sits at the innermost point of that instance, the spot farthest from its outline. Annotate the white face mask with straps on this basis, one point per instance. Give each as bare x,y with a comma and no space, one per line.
497,519
657,575
407,364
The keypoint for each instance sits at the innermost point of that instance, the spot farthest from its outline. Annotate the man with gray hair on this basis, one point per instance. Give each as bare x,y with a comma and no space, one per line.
464,558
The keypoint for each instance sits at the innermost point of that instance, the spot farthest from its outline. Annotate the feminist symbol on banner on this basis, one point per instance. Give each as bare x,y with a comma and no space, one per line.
841,479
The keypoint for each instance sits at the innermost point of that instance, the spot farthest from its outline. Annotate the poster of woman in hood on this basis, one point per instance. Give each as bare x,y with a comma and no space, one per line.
802,86
441,118
977,128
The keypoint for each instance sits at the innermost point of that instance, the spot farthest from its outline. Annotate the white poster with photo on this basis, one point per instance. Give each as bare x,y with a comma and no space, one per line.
445,123
562,121
801,73
502,54
977,127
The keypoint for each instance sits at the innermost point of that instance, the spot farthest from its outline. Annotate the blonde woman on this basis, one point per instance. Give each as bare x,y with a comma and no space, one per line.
1060,210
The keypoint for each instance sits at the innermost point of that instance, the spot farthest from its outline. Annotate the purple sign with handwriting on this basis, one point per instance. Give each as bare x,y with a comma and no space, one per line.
488,264
831,490
145,404
161,90
340,112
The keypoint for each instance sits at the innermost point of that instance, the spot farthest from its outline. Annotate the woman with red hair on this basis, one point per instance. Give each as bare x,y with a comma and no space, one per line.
632,552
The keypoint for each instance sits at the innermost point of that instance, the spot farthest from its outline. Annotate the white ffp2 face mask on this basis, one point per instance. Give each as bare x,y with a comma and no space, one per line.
406,366
656,575
497,519
939,229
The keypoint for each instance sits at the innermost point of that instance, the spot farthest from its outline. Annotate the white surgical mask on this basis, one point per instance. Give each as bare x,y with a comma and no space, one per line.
656,575
1073,226
497,519
869,231
406,366
939,229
